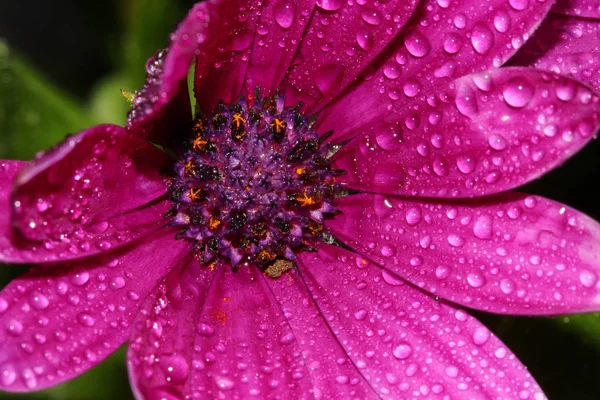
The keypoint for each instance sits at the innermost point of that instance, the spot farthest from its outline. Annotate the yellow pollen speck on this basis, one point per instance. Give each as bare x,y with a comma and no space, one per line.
128,95
299,171
305,200
214,223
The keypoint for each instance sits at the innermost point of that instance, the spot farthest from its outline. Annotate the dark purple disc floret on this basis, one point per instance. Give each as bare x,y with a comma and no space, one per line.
255,181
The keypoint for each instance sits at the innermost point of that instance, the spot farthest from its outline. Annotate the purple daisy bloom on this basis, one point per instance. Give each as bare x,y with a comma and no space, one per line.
341,190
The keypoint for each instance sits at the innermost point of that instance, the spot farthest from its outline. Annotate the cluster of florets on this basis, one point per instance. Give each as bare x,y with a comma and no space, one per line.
254,183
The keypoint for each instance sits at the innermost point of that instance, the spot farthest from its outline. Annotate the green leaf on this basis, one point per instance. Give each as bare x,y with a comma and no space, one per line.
584,326
34,114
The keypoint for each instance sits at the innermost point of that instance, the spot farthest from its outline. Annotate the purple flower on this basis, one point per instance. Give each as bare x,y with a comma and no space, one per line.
314,237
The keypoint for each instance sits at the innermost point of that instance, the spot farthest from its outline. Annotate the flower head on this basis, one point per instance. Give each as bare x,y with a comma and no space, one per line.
314,227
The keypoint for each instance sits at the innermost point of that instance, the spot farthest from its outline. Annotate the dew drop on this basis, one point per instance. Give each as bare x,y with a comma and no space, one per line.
86,319
481,335
443,272
413,216
402,350
588,278
440,167
476,279
519,5
455,240
371,16
482,38
117,282
502,22
330,5
285,13
517,92
417,44
80,278
482,228
566,90
38,300
466,164
364,39
205,329
452,43
388,250
497,142
360,315
507,286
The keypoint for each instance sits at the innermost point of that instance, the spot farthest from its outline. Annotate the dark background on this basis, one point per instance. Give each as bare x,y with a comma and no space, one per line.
91,49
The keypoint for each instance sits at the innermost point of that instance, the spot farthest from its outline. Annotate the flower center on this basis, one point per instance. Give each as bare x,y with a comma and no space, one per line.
254,183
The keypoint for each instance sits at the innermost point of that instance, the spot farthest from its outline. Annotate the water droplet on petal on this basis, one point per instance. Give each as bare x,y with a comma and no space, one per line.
402,350
466,164
442,272
38,300
481,335
482,38
482,228
507,286
476,279
455,240
371,16
588,278
330,5
517,92
417,44
364,39
86,319
519,5
285,13
497,142
413,215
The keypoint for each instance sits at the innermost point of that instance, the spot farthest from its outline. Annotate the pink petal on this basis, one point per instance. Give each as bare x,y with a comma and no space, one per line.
278,35
340,41
578,8
446,40
481,134
95,191
332,370
222,62
509,253
244,347
161,343
565,45
404,343
161,108
56,322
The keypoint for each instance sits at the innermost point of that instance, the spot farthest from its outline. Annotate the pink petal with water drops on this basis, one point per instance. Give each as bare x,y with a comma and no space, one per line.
97,190
333,373
481,134
444,41
57,322
161,109
342,39
245,348
405,343
161,344
222,61
509,253
278,35
578,8
565,45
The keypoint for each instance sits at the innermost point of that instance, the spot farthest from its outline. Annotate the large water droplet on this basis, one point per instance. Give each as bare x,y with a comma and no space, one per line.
482,38
476,279
413,215
443,271
38,300
517,92
588,278
466,163
330,5
481,335
285,13
86,319
452,43
402,350
417,44
364,39
483,227
371,16
507,286
519,5
497,142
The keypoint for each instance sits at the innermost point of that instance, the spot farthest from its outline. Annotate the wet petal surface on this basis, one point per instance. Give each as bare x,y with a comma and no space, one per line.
481,134
244,347
278,35
510,253
161,344
404,343
565,45
444,40
56,322
96,191
340,41
578,8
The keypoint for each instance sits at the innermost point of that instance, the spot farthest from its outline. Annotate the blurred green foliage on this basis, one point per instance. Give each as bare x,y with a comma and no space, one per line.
563,353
